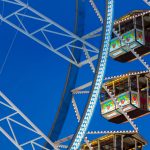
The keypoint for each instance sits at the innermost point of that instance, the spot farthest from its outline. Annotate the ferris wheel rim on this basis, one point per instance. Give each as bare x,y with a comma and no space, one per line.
105,67
66,87
76,141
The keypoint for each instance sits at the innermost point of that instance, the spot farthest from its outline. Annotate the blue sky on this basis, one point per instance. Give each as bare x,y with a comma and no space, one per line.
34,77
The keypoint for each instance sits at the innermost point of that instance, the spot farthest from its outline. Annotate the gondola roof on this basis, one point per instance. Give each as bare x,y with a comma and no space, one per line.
129,136
119,78
131,15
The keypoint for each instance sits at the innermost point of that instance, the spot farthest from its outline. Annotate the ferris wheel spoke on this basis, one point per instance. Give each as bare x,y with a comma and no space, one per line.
40,146
86,48
88,143
33,148
12,131
72,54
86,61
24,124
88,57
11,2
65,139
81,87
81,90
31,141
140,59
147,2
48,27
92,34
21,23
76,110
96,10
60,142
10,138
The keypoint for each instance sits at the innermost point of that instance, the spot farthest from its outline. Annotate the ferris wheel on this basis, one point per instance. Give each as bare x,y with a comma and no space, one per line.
123,97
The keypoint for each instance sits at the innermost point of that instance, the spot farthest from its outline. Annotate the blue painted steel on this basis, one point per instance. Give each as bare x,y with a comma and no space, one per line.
71,77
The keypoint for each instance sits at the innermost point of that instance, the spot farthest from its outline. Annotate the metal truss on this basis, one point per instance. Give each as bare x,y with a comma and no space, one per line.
147,2
18,118
96,10
88,143
10,138
42,35
44,31
60,141
82,90
76,109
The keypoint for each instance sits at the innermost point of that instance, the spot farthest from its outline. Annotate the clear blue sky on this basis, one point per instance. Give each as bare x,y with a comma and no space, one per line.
34,77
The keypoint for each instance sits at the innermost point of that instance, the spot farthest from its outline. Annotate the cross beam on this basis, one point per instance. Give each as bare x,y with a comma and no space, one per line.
23,13
28,126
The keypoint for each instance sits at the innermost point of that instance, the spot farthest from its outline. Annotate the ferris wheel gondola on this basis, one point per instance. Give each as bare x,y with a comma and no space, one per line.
135,31
132,93
125,141
122,98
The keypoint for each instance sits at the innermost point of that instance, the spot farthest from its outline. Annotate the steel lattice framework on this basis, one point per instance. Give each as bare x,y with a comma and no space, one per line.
147,2
91,52
31,126
96,87
48,27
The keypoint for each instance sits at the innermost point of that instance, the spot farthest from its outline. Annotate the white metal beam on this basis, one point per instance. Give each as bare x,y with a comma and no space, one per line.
147,2
88,143
58,142
34,127
10,138
76,109
96,10
82,87
45,28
